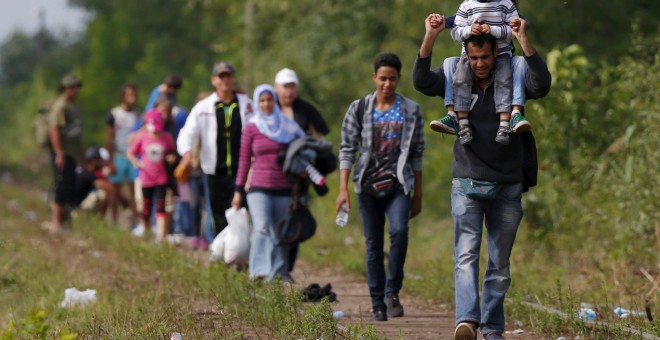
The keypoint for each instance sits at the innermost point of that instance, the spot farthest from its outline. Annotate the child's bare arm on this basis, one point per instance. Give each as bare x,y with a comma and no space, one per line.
170,158
136,163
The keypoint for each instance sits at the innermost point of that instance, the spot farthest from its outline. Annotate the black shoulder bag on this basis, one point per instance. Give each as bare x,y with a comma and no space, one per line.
384,186
298,225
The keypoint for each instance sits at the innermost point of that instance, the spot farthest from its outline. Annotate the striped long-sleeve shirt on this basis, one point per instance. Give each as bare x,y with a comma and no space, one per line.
261,154
496,13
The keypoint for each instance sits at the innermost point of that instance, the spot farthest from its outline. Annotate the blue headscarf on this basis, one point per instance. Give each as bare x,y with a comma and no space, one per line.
275,125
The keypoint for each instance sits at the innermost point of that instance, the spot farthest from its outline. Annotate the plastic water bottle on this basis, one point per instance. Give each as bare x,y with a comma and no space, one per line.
342,216
587,314
624,313
314,175
338,314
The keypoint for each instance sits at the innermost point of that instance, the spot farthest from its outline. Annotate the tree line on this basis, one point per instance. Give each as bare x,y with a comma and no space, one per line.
598,124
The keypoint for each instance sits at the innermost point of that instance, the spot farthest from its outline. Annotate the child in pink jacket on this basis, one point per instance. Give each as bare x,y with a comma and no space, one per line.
153,147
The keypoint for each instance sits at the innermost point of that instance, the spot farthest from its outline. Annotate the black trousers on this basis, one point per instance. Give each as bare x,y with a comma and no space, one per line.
221,192
65,181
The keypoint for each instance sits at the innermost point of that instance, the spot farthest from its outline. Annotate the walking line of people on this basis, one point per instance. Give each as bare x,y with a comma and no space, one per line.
227,153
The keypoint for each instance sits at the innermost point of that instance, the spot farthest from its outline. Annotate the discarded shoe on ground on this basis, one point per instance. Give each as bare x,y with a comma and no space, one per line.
316,293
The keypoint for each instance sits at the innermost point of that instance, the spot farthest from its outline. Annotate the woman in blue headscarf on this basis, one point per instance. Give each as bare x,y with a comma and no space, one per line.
264,138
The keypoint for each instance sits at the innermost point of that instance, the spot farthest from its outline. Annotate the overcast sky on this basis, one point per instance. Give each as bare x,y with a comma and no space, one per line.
23,14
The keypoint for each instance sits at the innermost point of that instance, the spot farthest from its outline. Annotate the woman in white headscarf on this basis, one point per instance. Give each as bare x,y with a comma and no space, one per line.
264,138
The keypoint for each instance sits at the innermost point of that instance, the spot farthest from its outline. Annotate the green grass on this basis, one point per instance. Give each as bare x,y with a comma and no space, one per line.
147,291
144,291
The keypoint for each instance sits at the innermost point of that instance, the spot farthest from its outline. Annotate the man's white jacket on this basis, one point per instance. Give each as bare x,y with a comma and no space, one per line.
202,121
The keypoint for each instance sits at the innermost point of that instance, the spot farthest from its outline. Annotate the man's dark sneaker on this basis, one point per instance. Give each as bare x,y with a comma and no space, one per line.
394,307
446,124
465,135
493,336
519,123
502,136
465,331
379,313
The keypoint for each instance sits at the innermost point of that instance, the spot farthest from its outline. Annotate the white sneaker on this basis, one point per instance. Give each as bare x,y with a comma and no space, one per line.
138,231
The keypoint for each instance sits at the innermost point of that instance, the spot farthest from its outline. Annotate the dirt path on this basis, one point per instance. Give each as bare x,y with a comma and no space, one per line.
422,319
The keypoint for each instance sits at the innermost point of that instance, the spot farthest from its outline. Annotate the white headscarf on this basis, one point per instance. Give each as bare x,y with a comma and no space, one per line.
275,125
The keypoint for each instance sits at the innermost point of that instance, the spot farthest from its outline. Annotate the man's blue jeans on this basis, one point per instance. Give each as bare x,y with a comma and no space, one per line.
202,200
502,216
374,210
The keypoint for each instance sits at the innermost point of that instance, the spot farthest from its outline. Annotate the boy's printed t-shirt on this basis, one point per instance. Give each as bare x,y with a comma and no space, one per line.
152,150
123,121
388,126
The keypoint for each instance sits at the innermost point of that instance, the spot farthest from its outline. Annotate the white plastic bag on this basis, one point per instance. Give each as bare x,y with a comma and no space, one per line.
233,243
73,296
217,247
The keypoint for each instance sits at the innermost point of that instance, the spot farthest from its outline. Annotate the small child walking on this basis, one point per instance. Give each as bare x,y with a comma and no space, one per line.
476,17
154,147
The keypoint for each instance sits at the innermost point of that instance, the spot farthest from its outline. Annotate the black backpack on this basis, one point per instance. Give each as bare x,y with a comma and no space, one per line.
530,165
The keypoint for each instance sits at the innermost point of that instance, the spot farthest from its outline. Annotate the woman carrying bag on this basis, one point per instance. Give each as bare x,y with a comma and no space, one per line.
265,137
